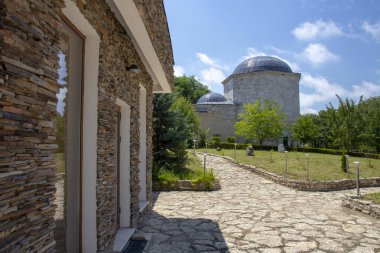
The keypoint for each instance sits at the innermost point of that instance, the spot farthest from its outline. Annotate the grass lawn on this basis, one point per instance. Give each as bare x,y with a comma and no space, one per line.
60,162
321,166
374,197
193,171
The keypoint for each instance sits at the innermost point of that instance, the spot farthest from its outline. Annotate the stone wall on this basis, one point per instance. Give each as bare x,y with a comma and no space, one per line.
363,206
187,185
280,87
332,185
219,118
28,72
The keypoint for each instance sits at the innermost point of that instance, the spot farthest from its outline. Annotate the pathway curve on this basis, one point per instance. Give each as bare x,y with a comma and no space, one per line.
252,214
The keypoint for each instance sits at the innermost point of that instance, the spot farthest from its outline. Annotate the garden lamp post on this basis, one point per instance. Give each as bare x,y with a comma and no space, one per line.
357,179
206,147
307,166
347,166
286,162
235,152
204,164
194,141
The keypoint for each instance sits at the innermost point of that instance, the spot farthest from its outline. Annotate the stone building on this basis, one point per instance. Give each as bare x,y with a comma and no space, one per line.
76,84
261,77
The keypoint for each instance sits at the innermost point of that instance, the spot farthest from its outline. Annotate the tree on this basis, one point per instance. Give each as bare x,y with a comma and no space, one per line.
306,130
189,88
261,122
174,123
189,118
349,127
371,117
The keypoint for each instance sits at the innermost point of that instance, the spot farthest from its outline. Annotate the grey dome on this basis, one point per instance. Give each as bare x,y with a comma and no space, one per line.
262,63
214,98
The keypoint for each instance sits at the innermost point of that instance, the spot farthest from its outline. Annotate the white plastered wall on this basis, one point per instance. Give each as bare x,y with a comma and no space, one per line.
90,125
125,192
142,153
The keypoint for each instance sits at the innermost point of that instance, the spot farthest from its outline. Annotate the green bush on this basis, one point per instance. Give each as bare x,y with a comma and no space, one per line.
216,140
230,139
207,179
167,176
333,152
202,137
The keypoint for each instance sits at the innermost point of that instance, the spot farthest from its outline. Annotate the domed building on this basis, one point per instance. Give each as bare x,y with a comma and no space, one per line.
263,77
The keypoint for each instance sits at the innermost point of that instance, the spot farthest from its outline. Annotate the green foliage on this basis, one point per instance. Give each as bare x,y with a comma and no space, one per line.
202,137
189,120
344,161
349,123
167,176
247,140
189,88
261,121
230,139
174,123
207,179
371,117
306,130
216,140
352,126
193,171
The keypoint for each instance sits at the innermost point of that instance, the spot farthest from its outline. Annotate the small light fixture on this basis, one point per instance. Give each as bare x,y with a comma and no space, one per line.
134,69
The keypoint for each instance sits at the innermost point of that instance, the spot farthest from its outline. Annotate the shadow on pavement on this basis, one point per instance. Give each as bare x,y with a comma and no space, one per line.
174,234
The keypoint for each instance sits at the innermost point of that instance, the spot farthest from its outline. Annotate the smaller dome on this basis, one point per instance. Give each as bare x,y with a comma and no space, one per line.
212,97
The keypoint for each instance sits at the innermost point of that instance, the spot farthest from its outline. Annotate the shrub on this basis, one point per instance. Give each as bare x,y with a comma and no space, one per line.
202,137
335,152
216,140
207,179
167,176
230,139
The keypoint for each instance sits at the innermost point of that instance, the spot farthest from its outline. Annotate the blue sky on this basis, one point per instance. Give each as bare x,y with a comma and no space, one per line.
334,44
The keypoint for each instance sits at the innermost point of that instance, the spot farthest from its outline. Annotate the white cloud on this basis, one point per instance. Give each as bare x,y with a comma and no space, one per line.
293,65
252,52
205,59
323,91
366,89
179,71
318,54
309,110
318,29
373,29
212,76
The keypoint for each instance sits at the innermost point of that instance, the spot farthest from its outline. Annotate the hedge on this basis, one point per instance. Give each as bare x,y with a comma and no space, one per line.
226,145
334,152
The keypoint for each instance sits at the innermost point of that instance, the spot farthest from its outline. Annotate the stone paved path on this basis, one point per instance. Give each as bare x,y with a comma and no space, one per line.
252,214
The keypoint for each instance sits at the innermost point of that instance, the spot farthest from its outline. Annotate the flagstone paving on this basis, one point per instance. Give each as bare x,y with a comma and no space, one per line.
252,214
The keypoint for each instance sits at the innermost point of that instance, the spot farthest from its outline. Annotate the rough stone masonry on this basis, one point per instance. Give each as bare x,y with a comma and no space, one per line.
29,44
